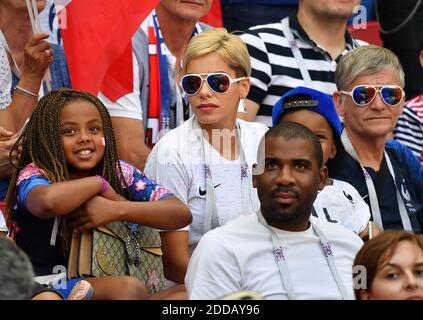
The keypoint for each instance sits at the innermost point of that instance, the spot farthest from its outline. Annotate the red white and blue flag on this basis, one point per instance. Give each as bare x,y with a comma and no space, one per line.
97,40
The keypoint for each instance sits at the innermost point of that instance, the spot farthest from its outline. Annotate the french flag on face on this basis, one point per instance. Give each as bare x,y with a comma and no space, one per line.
97,40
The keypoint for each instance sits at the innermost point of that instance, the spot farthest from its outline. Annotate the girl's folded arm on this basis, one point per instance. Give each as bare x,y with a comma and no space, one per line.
167,214
61,198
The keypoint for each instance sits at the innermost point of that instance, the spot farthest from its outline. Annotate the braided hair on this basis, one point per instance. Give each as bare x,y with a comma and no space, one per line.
42,145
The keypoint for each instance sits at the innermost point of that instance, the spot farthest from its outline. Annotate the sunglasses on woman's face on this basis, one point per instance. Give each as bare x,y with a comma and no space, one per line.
218,82
363,95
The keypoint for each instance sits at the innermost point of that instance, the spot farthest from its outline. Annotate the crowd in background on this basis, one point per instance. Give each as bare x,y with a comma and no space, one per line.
281,154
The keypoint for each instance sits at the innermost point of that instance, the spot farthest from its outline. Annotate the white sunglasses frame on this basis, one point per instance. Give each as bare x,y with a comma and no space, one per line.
378,89
204,77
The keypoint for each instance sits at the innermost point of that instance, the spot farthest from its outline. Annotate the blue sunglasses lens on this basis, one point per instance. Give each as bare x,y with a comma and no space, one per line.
391,96
363,95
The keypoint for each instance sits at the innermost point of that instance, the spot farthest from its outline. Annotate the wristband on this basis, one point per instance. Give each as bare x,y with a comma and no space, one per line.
104,187
26,92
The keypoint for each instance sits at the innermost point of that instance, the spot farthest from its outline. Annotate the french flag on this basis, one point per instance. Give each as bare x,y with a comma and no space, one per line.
97,40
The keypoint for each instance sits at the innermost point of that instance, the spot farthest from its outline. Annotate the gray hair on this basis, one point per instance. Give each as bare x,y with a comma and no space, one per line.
364,61
16,273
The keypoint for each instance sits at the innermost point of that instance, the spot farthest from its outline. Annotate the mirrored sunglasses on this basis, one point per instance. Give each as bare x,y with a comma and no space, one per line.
362,95
218,82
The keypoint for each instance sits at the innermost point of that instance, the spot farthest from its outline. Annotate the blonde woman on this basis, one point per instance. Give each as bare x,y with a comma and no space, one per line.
207,161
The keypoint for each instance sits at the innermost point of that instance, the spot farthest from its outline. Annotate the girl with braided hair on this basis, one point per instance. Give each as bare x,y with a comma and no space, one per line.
69,169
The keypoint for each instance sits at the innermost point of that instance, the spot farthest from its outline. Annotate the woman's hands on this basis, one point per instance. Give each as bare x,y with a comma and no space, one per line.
37,57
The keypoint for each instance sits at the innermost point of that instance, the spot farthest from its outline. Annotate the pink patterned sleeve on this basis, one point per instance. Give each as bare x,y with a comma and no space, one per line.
141,187
28,172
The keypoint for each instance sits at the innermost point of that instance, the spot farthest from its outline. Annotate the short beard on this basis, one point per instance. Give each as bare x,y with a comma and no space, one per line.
275,216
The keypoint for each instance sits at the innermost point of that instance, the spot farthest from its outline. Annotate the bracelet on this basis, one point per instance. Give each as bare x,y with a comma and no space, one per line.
26,92
104,187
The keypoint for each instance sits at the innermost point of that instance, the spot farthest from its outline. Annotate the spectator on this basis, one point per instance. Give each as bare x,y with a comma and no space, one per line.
338,201
393,264
282,252
401,23
207,161
69,148
24,59
16,272
243,14
140,115
13,112
386,174
301,50
29,55
409,129
16,277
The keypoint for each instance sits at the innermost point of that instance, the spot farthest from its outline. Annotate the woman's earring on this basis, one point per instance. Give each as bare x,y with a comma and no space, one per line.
241,105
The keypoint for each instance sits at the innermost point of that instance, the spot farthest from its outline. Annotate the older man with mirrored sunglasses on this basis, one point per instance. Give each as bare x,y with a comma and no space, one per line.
388,176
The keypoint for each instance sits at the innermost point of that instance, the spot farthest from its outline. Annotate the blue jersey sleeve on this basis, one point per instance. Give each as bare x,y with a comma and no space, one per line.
29,178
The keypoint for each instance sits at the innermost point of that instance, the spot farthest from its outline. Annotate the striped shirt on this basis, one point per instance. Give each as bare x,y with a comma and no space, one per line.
275,70
409,129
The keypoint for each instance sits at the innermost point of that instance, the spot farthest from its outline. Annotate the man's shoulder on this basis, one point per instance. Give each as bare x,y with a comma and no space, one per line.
260,31
361,43
402,151
404,157
268,26
415,104
336,232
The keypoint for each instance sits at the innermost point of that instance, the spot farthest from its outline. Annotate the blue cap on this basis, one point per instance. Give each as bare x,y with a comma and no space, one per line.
306,98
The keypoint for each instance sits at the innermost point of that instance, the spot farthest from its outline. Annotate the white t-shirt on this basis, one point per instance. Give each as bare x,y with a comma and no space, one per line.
176,163
239,256
342,203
